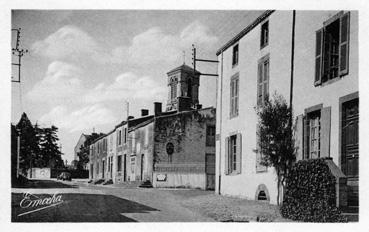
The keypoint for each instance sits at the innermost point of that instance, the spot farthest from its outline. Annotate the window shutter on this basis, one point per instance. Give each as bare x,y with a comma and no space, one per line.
226,158
306,132
239,153
344,43
318,57
299,126
259,85
325,132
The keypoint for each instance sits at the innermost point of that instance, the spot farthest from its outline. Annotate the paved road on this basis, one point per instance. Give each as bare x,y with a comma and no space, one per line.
86,203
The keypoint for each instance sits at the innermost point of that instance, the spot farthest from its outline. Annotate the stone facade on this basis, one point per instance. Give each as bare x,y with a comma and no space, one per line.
181,146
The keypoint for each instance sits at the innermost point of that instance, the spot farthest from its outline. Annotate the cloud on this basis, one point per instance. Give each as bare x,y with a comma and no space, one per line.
127,86
61,83
154,46
78,120
70,42
151,47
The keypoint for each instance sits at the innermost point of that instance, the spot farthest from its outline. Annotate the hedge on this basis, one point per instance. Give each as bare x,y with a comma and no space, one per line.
310,193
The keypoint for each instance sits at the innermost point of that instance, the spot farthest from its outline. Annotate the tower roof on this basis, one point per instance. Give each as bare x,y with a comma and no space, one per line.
183,67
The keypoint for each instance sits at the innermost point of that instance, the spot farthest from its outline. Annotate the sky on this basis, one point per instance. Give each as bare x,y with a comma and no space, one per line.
83,65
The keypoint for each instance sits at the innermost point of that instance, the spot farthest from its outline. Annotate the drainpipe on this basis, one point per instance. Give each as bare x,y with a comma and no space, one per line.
292,56
220,122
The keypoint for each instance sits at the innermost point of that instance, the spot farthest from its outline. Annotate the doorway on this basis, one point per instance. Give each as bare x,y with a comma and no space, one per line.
350,149
142,166
210,171
125,168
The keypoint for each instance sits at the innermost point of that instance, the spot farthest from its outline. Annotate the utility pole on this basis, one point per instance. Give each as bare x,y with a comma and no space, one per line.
18,52
18,150
194,59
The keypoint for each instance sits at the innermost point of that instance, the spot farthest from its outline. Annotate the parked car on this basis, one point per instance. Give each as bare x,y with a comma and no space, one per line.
65,176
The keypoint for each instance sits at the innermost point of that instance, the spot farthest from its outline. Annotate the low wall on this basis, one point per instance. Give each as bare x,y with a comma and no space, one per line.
39,173
179,180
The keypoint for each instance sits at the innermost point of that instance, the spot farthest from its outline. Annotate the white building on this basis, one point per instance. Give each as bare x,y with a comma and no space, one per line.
280,46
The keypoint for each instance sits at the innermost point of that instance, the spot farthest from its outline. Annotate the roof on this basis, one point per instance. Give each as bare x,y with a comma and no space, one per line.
251,26
142,124
183,67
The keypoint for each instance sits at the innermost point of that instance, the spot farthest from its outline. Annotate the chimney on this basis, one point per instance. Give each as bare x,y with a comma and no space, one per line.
144,112
157,108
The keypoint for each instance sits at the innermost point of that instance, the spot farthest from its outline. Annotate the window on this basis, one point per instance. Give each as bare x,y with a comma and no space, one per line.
173,88
119,137
263,80
133,163
233,154
119,163
332,46
234,95
125,135
170,151
316,132
235,55
313,134
259,157
264,36
210,136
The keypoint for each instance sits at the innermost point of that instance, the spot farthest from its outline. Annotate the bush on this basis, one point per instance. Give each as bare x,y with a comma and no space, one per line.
310,194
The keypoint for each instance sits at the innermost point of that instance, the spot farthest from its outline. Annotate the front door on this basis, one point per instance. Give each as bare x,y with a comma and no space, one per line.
125,168
210,171
350,149
103,169
142,166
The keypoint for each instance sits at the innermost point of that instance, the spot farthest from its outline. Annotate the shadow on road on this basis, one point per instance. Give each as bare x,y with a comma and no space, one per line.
44,184
78,208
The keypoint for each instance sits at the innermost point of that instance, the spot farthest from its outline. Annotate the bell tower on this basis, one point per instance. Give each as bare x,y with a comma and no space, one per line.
183,88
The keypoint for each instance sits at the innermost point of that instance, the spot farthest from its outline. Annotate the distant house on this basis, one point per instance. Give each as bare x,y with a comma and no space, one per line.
82,139
321,57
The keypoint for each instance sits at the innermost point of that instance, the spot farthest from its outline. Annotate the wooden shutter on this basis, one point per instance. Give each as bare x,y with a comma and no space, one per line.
325,132
259,85
306,132
298,136
226,158
344,44
318,57
239,153
231,98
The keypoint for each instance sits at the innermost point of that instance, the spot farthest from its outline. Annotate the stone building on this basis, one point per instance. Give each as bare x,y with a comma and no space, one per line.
178,144
184,146
311,59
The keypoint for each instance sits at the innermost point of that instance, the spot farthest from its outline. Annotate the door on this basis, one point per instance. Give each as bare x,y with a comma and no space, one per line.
92,171
210,171
142,166
125,168
103,169
350,149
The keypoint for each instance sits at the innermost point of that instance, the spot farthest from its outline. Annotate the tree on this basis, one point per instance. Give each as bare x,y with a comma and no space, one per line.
29,148
276,141
50,150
